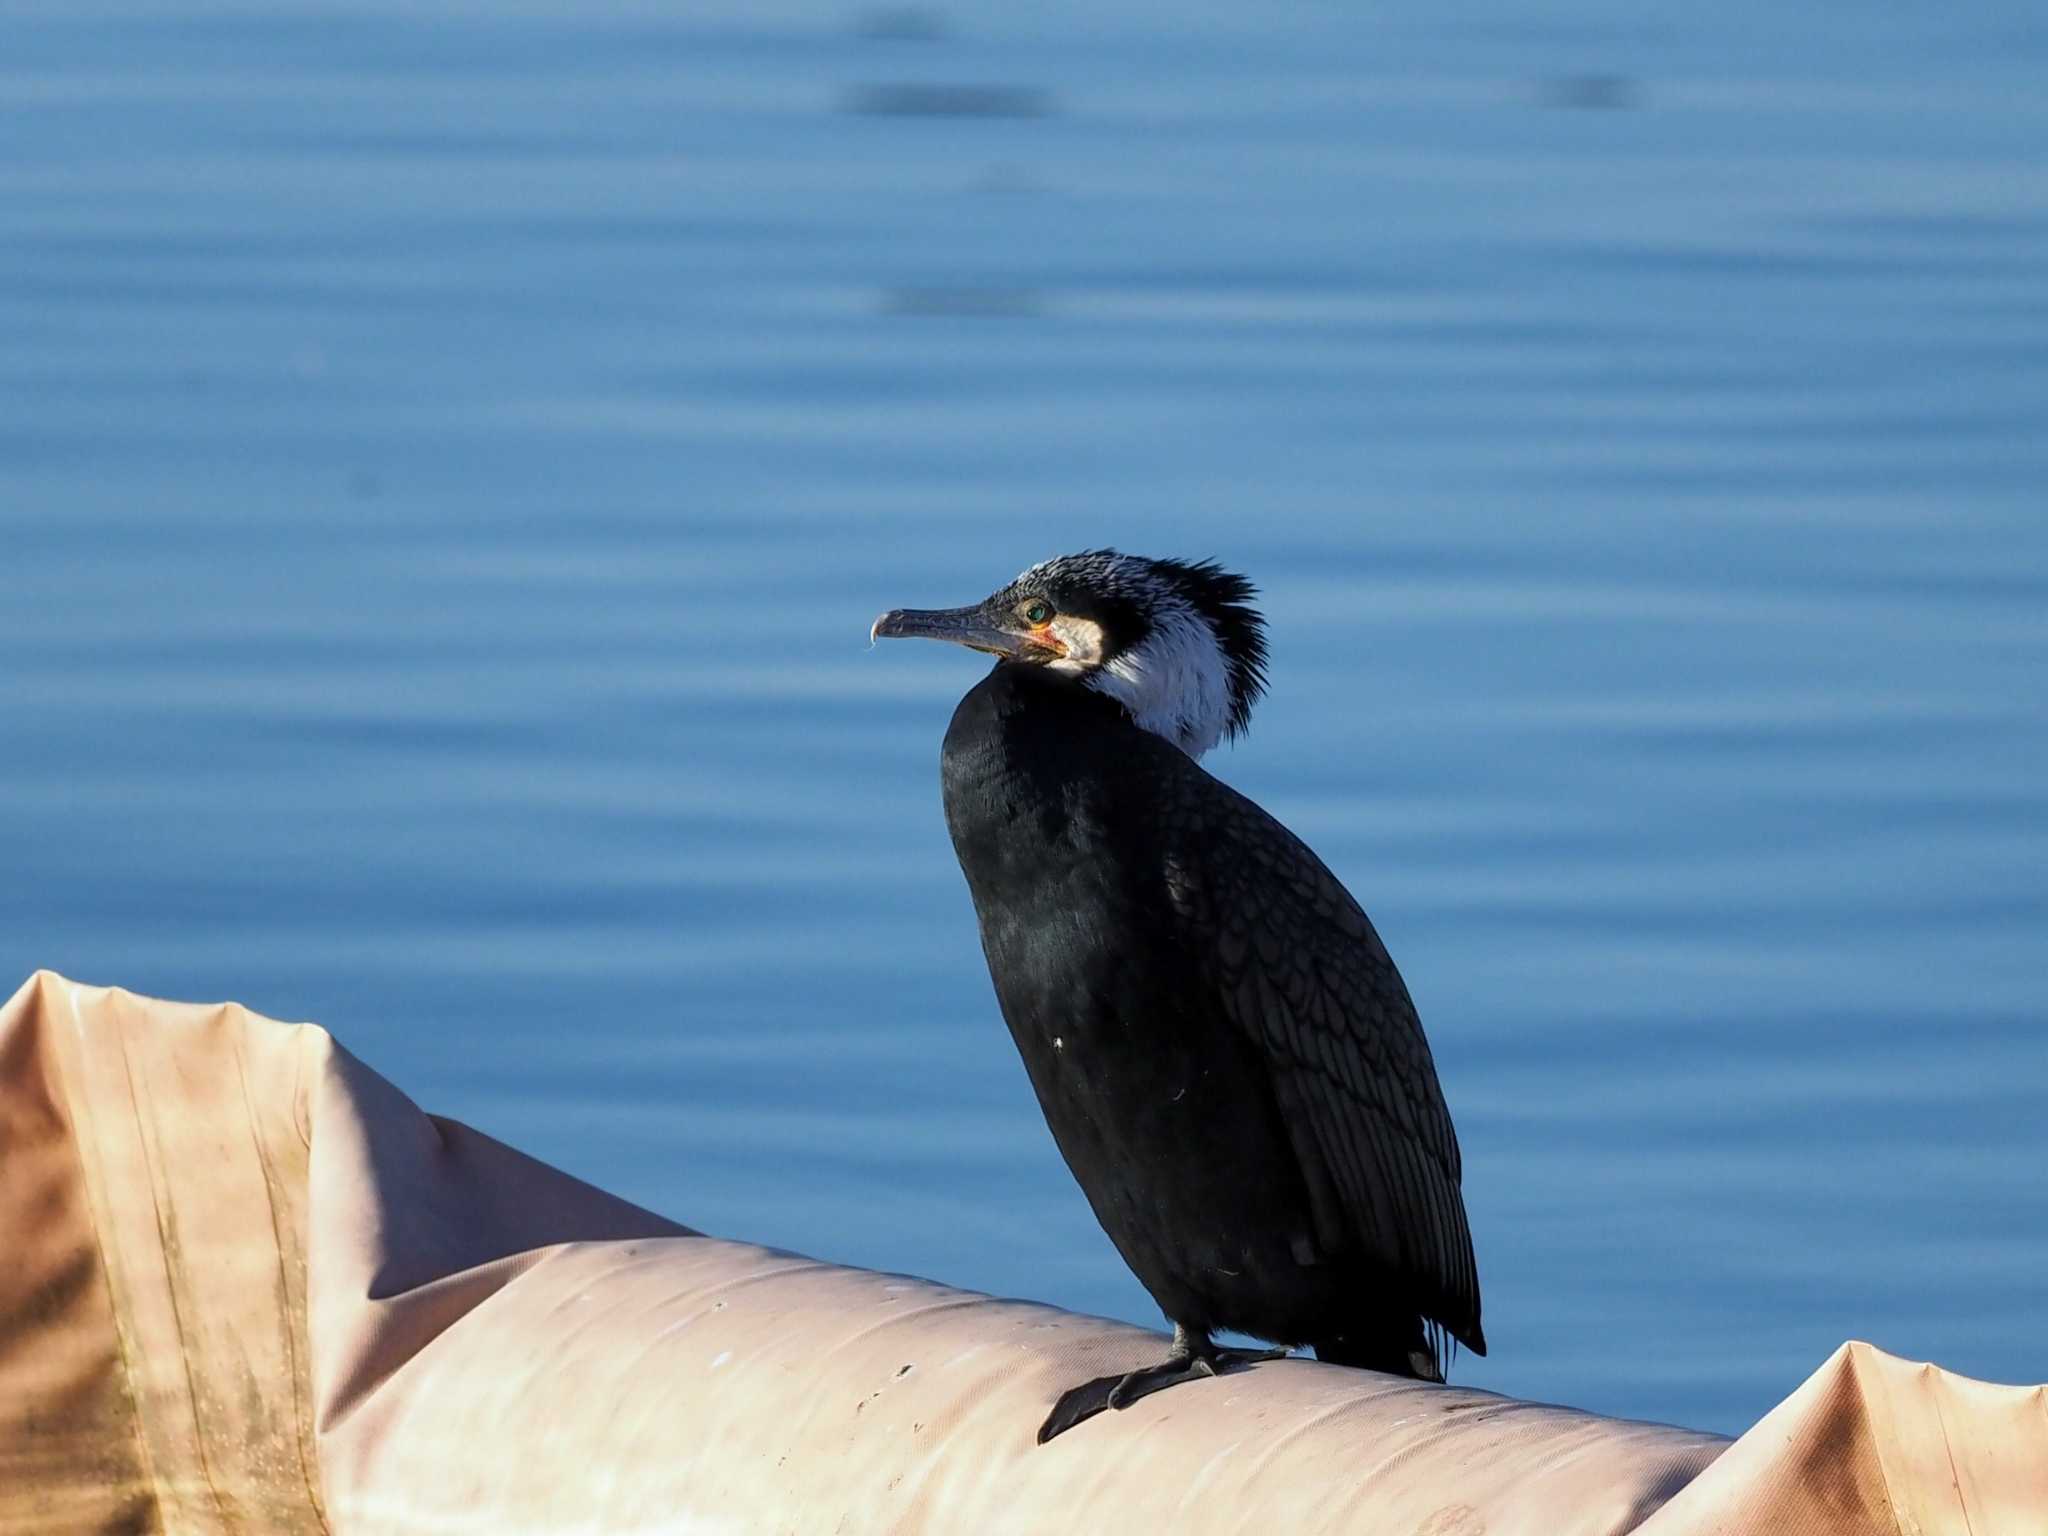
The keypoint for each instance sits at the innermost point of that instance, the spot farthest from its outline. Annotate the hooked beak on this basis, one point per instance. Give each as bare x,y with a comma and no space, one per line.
974,627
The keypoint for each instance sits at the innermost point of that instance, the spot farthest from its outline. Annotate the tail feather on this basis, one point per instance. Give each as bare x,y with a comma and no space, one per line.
1411,1347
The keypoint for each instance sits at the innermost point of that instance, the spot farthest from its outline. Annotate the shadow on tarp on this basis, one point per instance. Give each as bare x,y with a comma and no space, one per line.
250,1286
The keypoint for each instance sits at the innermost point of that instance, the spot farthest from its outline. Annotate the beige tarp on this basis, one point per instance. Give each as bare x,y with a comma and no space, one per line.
245,1285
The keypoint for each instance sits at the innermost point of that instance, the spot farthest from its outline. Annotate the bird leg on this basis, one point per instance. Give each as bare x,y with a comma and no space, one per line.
1192,1357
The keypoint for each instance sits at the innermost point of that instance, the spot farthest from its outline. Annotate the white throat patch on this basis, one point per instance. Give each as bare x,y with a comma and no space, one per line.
1174,683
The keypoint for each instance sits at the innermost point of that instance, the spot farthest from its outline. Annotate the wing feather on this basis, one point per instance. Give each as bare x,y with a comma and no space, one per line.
1297,966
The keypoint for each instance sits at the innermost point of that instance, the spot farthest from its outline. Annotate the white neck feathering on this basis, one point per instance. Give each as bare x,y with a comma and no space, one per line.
1173,683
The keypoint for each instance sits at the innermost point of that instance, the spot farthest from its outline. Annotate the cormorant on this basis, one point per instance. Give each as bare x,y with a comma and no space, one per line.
1224,1052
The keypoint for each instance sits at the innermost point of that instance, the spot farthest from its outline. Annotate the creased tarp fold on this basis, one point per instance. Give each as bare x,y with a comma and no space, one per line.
249,1286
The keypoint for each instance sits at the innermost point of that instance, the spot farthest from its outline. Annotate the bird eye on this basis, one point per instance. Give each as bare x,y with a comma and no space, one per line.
1037,611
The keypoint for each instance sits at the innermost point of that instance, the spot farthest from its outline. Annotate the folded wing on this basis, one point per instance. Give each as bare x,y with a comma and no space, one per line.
1295,963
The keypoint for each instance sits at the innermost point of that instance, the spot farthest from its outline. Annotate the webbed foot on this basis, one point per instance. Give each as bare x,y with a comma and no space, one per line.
1190,1360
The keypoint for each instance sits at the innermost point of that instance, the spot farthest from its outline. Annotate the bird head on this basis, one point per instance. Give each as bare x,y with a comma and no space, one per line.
1177,643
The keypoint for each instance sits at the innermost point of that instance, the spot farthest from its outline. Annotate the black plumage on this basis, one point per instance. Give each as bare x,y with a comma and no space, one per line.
1225,1053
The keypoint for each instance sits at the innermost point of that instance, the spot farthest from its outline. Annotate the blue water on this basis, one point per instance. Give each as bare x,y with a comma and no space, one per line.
447,469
